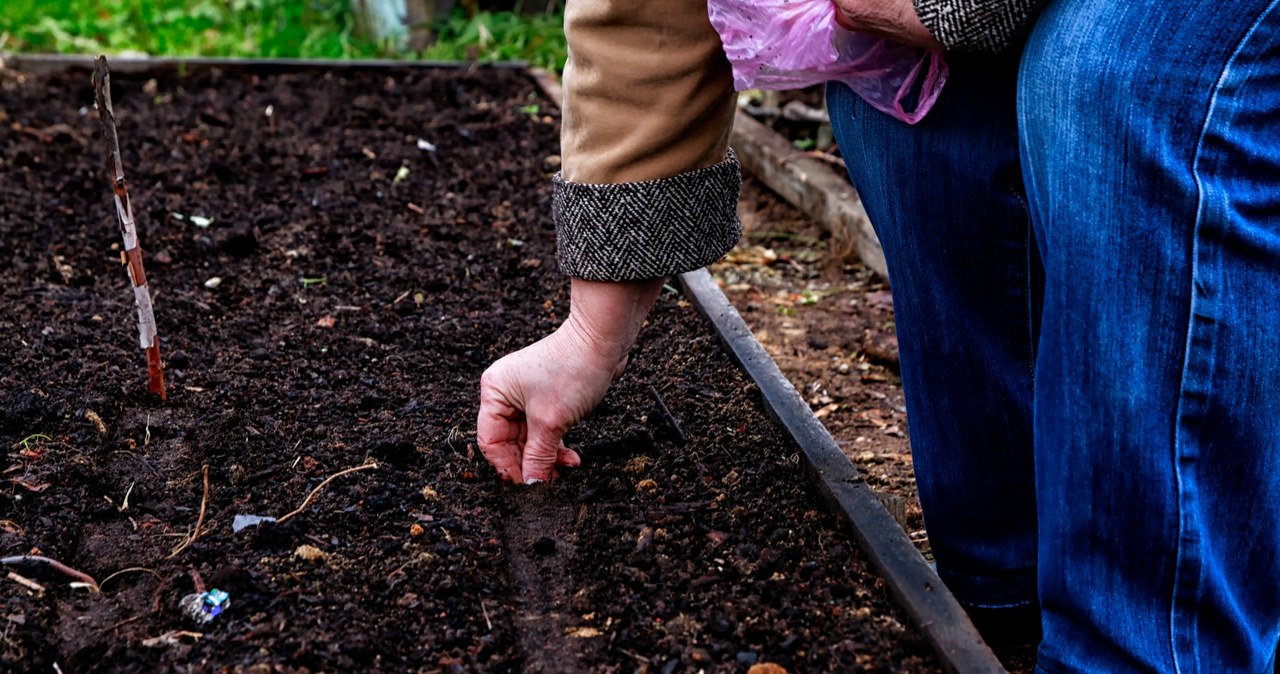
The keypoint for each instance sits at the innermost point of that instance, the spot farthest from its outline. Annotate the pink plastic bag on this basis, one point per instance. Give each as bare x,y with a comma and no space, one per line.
792,44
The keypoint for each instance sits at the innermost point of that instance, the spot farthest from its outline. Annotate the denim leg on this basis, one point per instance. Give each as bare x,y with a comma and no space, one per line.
1151,152
946,199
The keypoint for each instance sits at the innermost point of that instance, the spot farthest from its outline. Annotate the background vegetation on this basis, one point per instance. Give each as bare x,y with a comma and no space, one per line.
266,28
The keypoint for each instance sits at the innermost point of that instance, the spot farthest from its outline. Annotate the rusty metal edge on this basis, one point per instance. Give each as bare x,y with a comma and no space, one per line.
913,583
43,64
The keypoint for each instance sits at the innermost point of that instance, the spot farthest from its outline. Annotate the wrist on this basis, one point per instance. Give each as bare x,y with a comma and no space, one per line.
893,19
607,316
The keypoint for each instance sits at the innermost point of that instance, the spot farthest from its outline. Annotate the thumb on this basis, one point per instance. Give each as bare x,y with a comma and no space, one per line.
541,452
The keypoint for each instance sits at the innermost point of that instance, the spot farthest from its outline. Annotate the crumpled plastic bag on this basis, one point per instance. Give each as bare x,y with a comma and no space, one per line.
792,44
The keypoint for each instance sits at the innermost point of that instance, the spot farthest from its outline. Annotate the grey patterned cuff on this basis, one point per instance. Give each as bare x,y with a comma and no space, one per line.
977,25
643,230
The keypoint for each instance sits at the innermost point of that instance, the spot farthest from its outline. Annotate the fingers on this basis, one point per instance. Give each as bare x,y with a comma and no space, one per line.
499,427
503,436
568,458
542,453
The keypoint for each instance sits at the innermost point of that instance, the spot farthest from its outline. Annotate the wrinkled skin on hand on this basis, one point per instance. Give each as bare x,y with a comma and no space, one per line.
893,19
529,399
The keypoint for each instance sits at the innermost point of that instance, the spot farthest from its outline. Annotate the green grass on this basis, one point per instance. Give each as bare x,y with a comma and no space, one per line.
501,36
262,28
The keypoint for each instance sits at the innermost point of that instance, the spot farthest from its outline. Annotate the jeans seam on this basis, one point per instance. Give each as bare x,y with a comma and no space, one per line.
1029,294
1185,563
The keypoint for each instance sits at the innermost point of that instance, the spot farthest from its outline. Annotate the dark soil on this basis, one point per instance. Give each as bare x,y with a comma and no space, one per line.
362,285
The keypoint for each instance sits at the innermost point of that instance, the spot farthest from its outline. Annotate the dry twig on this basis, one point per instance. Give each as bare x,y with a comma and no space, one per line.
27,583
121,572
814,154
171,638
53,564
204,502
122,623
197,581
132,254
331,478
671,418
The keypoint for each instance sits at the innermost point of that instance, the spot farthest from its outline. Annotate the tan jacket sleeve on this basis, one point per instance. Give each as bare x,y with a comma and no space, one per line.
648,187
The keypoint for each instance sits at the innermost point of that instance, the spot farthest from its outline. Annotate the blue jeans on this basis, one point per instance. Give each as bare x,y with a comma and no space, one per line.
1084,243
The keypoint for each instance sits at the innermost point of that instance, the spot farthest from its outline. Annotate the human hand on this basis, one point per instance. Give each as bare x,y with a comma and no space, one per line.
892,19
529,399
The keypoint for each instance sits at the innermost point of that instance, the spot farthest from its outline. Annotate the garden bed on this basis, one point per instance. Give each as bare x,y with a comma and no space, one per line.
335,257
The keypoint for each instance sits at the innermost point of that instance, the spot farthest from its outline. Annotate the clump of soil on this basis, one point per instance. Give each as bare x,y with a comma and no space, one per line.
335,257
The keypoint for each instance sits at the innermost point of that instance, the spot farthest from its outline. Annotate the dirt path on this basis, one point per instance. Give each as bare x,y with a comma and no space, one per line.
542,542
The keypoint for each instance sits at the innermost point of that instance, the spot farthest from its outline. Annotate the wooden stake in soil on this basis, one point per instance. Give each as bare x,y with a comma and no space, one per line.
132,255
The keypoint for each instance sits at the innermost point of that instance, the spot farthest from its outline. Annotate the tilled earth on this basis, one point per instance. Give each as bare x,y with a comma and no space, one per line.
828,323
335,257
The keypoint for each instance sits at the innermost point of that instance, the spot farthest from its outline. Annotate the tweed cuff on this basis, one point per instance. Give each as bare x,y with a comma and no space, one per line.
644,230
977,25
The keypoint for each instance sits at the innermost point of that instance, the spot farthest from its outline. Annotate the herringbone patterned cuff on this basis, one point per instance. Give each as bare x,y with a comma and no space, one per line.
977,25
643,230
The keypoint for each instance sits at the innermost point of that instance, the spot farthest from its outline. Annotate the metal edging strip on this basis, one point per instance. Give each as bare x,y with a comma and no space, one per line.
918,590
42,64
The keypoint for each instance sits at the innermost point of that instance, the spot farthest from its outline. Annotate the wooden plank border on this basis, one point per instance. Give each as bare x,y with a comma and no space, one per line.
811,186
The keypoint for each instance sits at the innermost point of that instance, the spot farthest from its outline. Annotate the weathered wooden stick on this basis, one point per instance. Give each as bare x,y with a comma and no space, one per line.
132,256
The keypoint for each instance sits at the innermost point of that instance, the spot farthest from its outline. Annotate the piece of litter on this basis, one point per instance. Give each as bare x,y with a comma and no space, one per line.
203,607
401,174
426,146
242,522
201,221
586,632
213,282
